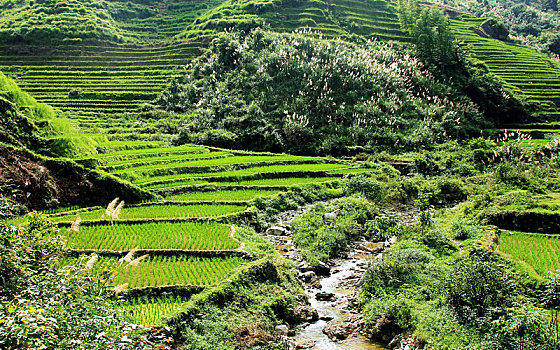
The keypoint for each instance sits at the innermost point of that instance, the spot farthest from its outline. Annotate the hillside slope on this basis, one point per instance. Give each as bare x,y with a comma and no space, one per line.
111,57
529,74
102,76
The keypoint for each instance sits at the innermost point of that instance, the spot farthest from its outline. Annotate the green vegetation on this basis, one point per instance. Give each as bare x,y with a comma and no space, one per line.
172,271
257,171
335,82
242,310
430,33
50,308
310,78
320,242
538,250
161,235
40,182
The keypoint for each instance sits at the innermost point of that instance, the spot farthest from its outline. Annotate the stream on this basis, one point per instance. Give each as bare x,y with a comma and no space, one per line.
334,297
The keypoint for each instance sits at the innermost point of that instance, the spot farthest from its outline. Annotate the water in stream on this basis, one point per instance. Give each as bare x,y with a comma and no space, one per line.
313,334
342,283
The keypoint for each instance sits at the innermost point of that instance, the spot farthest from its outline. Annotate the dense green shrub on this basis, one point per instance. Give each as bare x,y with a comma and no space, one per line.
477,287
321,240
430,33
284,92
363,184
383,227
399,267
463,229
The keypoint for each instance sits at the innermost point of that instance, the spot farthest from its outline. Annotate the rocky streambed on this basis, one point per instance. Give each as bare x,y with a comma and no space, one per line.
332,291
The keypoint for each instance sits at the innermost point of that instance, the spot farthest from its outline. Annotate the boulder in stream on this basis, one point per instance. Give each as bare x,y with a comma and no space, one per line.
337,331
325,296
277,231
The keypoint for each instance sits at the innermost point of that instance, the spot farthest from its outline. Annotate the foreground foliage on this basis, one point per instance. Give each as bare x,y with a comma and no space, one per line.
45,307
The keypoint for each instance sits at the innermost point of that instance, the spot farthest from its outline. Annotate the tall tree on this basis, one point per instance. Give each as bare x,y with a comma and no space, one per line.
429,31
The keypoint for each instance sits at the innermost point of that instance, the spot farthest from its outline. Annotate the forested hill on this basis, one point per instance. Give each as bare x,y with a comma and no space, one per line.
109,58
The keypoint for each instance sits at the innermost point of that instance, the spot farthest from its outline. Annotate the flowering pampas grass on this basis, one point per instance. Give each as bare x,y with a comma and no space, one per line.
121,287
137,261
91,261
128,257
115,214
110,209
76,224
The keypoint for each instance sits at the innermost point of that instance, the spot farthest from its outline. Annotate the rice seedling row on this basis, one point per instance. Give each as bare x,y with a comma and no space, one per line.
150,312
227,176
154,235
162,160
164,211
229,196
172,270
129,154
227,161
538,250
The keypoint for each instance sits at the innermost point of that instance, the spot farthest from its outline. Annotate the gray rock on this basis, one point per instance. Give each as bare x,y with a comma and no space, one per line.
325,296
282,329
304,313
276,231
307,276
305,345
337,331
315,283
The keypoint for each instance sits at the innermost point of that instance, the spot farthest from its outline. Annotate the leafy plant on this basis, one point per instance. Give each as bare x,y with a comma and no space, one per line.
363,184
382,228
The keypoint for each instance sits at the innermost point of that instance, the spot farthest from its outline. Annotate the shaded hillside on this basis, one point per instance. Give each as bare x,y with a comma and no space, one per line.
39,182
42,183
26,122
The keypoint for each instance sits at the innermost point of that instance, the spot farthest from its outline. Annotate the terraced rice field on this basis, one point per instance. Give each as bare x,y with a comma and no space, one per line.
200,183
154,235
102,87
540,251
150,312
174,180
525,72
156,211
164,271
232,195
377,19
